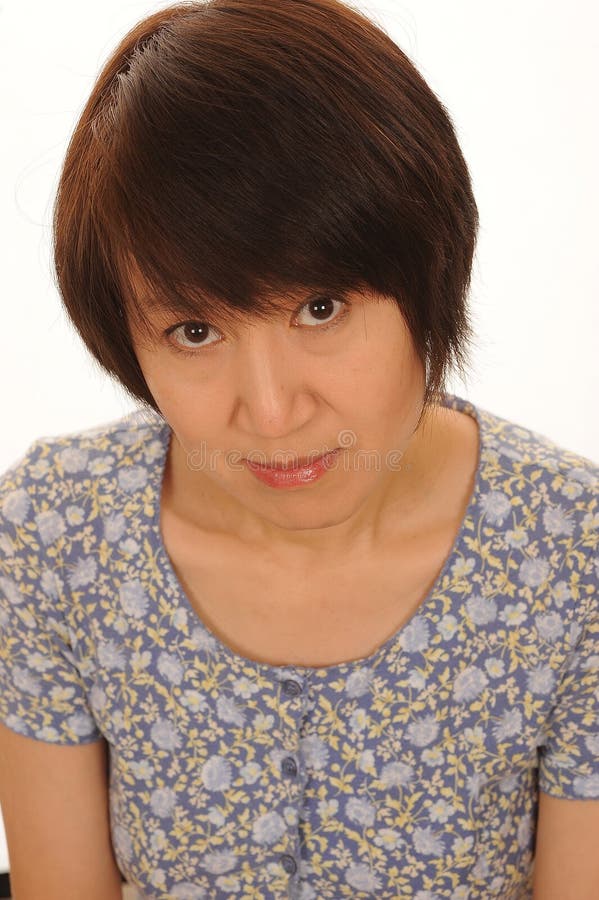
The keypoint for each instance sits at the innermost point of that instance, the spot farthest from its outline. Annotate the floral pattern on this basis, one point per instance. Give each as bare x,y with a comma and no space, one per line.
412,773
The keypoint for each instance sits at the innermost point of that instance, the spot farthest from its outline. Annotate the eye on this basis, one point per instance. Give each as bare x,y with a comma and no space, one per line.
192,332
192,335
321,308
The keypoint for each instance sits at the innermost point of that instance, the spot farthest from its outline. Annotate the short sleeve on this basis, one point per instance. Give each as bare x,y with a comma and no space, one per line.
42,692
569,755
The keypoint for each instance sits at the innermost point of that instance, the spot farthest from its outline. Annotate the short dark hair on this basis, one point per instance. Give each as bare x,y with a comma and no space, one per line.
240,149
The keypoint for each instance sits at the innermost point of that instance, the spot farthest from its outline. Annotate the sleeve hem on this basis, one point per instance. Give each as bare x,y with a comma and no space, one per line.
62,740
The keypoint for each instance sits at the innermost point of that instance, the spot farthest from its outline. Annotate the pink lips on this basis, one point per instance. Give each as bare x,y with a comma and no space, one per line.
286,466
292,476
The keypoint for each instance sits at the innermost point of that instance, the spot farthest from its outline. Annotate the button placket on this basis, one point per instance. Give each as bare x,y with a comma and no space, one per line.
290,688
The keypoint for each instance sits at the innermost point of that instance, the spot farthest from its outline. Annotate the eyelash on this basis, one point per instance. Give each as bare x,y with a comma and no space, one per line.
182,351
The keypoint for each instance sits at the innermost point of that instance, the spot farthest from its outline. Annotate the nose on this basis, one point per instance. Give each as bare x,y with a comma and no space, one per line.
273,398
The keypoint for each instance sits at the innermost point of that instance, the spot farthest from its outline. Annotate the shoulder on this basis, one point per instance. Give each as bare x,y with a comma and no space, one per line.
514,440
63,481
533,471
539,510
78,456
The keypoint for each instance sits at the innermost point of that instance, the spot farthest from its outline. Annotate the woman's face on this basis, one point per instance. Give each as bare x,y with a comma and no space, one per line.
308,382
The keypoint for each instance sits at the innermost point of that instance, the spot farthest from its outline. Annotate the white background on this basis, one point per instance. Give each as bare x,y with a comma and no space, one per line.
519,80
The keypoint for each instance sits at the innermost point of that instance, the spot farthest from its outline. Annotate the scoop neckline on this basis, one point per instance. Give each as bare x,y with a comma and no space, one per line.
163,561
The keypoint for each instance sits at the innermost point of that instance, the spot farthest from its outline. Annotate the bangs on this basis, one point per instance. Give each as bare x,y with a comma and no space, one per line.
167,287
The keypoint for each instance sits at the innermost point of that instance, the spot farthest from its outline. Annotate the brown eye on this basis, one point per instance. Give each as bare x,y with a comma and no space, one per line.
190,334
322,308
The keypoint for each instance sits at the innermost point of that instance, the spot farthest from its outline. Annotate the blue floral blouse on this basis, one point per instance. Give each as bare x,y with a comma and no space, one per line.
411,773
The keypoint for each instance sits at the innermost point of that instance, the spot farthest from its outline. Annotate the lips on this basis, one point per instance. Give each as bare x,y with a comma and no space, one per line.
295,464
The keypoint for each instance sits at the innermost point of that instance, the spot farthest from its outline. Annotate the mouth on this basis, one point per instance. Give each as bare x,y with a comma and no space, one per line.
299,463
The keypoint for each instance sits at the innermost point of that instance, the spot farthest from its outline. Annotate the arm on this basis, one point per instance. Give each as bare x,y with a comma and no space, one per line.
54,802
566,863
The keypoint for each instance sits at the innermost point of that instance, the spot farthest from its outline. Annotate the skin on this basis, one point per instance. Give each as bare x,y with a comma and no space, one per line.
290,385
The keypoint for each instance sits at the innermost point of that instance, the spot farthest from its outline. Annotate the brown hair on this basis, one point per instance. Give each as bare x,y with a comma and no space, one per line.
235,150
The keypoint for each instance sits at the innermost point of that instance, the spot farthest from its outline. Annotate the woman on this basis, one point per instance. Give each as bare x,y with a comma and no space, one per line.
313,626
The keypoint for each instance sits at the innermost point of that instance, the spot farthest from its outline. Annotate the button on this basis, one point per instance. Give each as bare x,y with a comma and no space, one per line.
292,688
289,766
288,864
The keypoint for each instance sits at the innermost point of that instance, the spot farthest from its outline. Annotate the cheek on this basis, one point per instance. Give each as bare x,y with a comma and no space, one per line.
160,383
384,398
196,413
168,389
389,379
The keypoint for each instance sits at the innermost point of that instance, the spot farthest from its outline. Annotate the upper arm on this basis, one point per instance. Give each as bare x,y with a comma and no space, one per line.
566,864
53,757
54,803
